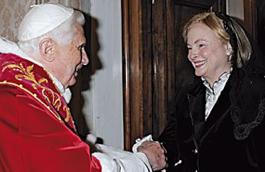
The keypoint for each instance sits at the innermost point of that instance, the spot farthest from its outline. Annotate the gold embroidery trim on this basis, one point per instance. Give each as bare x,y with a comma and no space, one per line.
27,74
34,95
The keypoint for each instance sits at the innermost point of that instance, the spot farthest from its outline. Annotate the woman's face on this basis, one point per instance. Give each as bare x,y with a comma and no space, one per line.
207,52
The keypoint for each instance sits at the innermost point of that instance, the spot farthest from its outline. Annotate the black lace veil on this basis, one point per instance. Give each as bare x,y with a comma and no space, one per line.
247,95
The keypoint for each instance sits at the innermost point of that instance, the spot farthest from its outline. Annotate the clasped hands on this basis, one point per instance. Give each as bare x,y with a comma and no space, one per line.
155,153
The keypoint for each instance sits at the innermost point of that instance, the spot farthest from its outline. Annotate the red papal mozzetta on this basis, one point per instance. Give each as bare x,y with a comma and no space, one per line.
33,129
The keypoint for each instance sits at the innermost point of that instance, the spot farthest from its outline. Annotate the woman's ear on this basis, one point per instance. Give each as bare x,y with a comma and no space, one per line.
46,48
229,51
229,48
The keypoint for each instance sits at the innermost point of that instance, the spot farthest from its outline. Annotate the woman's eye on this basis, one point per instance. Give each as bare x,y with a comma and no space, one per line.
201,45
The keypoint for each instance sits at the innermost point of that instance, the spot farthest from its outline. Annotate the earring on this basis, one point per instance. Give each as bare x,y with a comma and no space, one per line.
228,53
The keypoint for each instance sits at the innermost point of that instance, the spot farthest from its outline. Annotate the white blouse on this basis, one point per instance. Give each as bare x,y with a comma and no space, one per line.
212,94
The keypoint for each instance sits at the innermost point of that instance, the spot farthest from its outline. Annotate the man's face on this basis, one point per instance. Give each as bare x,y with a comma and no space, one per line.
71,58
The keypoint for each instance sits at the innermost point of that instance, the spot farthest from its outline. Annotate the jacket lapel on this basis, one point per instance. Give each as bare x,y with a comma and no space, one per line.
196,98
197,109
219,111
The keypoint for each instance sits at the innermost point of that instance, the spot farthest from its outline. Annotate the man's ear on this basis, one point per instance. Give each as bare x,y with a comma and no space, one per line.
46,47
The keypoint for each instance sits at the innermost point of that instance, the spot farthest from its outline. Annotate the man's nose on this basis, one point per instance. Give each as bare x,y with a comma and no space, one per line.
85,59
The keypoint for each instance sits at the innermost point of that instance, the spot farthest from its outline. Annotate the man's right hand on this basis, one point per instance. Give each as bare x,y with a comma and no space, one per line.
155,154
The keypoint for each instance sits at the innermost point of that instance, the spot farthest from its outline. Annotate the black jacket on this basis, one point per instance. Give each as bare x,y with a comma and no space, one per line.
215,145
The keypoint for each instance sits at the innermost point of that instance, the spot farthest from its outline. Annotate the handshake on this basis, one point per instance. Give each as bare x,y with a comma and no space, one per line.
154,151
147,156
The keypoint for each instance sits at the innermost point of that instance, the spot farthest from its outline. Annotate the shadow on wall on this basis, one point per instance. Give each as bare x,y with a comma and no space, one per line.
92,50
84,77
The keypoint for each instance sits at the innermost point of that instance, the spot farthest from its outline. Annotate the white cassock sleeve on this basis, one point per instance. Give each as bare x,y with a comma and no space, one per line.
117,160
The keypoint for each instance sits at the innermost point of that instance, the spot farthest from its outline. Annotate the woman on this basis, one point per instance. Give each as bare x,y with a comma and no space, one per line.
218,123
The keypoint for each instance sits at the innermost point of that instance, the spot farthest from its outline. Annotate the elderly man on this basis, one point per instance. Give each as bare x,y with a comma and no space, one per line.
36,127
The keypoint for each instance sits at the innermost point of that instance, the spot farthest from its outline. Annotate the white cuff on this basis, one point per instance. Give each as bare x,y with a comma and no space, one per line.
117,160
139,141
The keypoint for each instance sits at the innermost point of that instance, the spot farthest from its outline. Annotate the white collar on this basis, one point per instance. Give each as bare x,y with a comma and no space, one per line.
212,94
217,84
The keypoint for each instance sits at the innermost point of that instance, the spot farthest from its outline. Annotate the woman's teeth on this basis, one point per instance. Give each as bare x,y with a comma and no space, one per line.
199,63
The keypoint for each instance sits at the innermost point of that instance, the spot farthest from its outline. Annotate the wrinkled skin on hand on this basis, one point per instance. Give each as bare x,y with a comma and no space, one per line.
155,154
